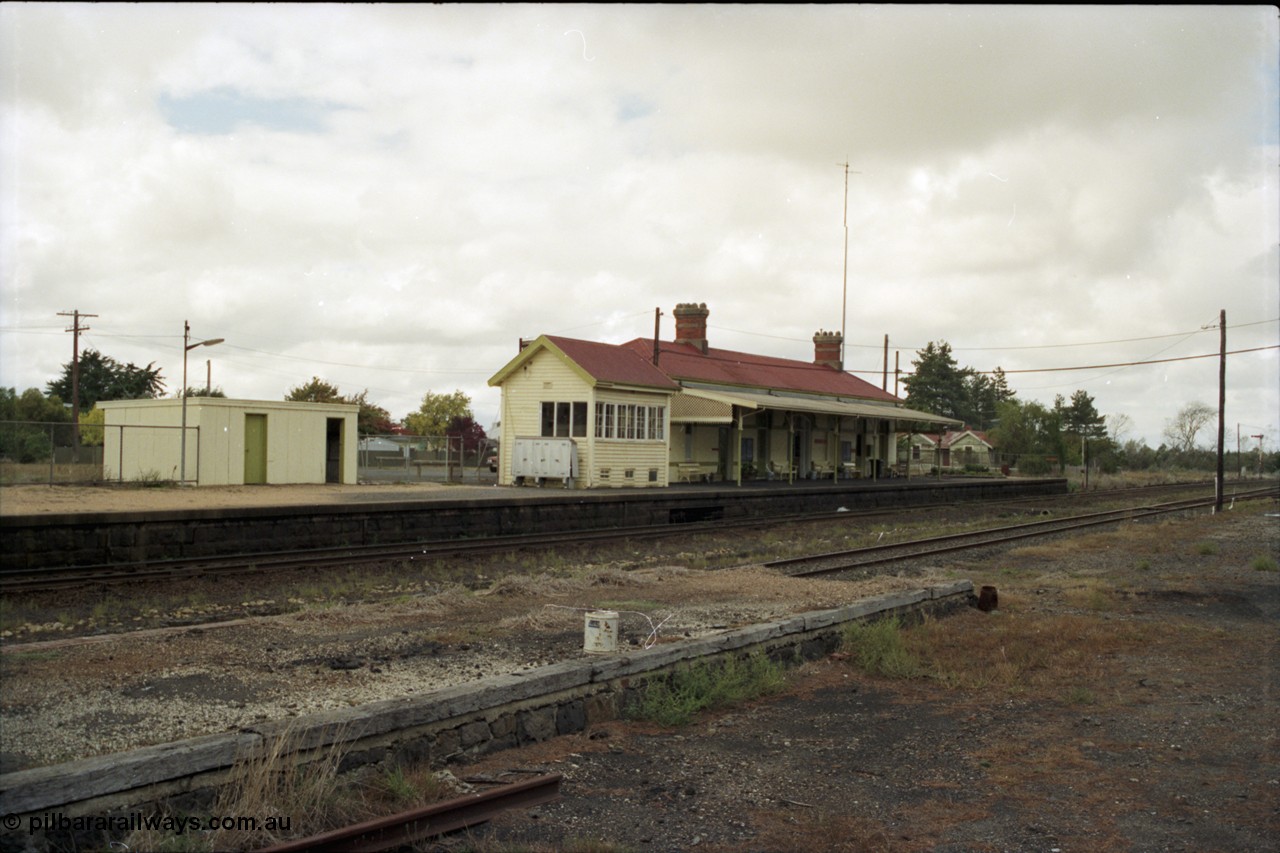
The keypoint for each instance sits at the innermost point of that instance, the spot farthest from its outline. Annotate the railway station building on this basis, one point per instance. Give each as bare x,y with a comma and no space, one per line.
230,442
649,413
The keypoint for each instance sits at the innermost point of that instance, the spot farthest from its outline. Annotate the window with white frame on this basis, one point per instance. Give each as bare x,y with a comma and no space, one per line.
630,422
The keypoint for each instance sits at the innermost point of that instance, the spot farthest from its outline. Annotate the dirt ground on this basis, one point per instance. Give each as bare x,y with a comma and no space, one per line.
1124,698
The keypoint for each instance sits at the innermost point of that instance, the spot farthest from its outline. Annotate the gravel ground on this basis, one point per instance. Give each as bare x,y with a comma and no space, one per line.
1164,741
74,698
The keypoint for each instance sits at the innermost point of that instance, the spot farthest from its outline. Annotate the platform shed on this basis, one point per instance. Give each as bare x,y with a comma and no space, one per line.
230,442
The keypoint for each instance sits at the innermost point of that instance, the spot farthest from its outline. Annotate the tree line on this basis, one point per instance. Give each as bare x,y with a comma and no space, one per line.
1038,438
1027,433
35,421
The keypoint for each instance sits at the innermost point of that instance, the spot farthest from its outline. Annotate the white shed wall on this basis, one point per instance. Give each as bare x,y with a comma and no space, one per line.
296,452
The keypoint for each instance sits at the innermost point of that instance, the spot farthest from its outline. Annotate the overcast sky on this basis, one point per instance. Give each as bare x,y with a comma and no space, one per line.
389,197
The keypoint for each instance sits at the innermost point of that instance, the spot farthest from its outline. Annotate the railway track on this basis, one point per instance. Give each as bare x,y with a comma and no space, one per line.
875,555
403,830
14,582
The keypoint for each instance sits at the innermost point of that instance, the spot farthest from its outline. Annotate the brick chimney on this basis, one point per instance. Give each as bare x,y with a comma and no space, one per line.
826,349
691,324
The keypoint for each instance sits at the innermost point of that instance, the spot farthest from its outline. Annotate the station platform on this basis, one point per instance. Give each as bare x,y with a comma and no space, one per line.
84,526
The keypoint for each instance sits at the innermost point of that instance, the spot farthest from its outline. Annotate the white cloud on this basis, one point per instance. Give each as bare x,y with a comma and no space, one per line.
437,181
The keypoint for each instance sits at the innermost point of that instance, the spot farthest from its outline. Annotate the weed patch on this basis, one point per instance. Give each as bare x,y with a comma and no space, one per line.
675,701
879,649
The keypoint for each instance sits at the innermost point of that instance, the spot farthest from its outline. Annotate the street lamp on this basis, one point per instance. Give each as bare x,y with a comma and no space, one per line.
187,347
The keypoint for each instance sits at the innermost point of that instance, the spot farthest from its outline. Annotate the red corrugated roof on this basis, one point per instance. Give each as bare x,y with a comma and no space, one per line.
613,363
746,370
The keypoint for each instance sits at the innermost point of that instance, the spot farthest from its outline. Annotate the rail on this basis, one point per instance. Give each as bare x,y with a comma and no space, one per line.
857,558
405,829
19,581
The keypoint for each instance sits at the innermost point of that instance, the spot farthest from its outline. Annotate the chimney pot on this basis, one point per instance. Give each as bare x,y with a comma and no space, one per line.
826,349
691,324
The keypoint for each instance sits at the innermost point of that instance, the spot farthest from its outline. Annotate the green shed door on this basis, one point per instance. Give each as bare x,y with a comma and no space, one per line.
255,449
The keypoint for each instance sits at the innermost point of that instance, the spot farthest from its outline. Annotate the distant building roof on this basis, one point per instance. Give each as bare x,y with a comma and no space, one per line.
950,437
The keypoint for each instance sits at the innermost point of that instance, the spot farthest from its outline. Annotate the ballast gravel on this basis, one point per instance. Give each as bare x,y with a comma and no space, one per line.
65,700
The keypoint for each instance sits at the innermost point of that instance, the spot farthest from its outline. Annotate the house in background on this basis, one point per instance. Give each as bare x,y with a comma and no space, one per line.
951,450
651,413
230,442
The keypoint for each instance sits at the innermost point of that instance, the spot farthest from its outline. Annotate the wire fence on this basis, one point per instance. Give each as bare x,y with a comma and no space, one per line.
423,458
34,452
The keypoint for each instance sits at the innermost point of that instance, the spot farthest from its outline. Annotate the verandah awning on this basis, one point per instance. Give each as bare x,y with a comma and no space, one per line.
696,405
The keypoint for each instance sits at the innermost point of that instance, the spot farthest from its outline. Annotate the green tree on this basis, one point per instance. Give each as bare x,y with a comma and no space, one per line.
1028,434
104,378
1080,417
206,392
437,412
1000,386
372,419
92,427
315,391
939,385
25,434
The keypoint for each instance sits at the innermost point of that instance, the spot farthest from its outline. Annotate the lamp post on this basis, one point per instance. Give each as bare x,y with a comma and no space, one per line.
187,347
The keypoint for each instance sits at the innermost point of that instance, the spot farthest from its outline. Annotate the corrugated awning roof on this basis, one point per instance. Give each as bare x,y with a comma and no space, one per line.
718,404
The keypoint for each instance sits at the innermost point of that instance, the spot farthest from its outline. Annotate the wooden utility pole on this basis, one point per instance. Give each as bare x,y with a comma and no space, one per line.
76,328
1222,404
884,380
657,329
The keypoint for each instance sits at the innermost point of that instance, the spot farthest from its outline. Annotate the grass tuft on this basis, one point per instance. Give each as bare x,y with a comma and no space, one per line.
674,701
879,649
1264,563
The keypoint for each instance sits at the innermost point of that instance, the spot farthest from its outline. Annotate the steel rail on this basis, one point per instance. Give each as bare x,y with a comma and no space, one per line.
57,578
407,828
892,552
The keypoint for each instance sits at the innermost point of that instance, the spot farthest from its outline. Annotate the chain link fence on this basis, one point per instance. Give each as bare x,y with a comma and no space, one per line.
422,458
33,452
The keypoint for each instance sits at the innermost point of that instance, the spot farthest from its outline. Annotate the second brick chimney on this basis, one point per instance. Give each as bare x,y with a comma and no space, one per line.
691,324
826,349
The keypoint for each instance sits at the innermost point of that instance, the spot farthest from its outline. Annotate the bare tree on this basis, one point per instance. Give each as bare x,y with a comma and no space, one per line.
1181,431
1118,427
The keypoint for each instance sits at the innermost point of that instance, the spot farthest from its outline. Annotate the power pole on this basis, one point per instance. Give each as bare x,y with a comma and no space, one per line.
76,328
1222,404
884,380
657,327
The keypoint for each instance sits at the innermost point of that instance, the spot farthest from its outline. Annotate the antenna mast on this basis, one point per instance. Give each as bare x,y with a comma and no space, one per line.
844,299
844,293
